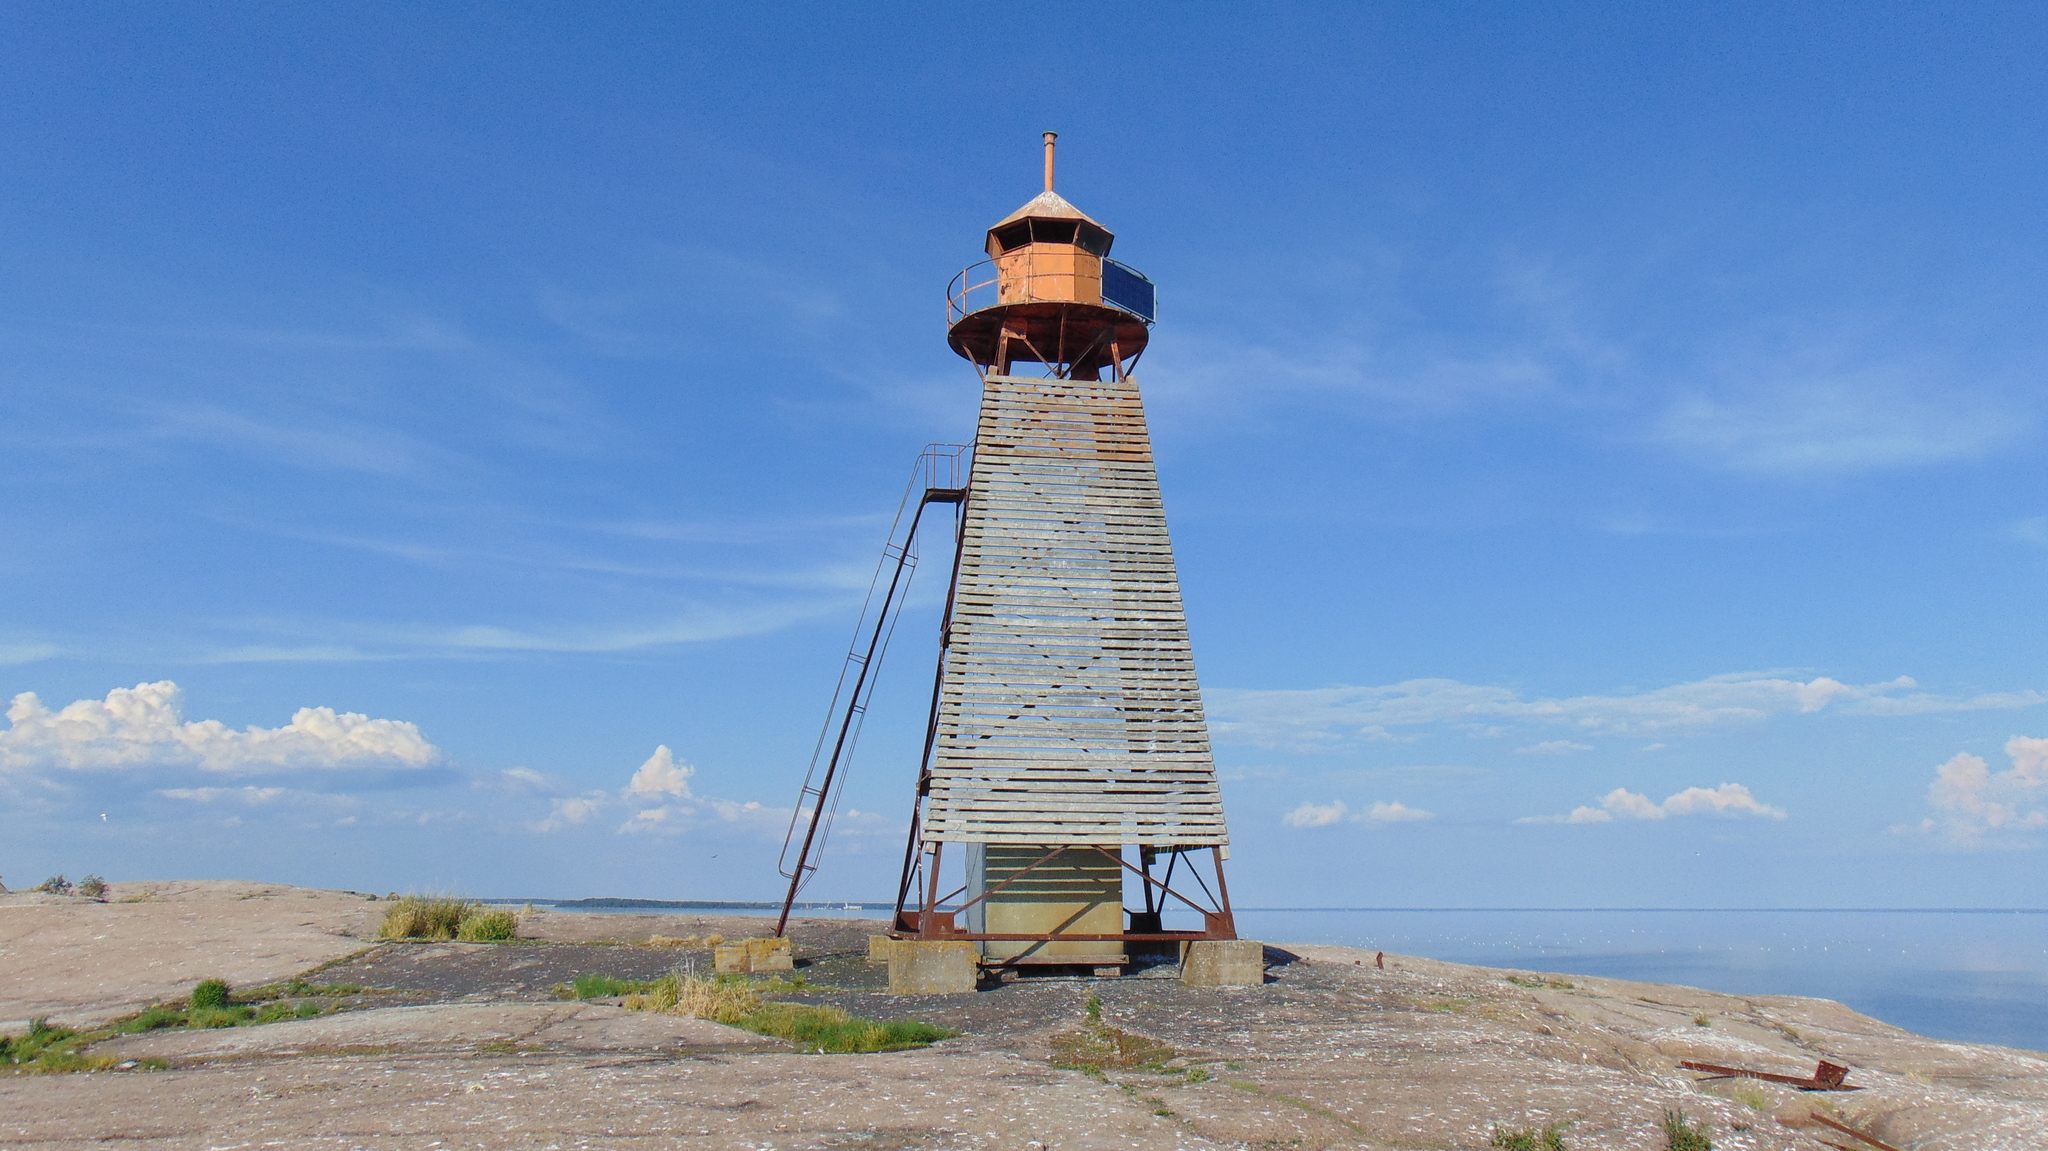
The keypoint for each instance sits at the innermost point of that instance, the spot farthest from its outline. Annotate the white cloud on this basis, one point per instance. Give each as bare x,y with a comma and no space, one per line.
1337,811
1314,815
144,726
1325,717
1729,799
661,801
1975,806
572,810
248,795
1554,747
1396,812
662,775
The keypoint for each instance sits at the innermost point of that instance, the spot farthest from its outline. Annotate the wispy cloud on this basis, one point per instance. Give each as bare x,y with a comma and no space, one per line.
1729,799
287,797
1813,416
346,641
13,653
1553,747
1327,717
1337,811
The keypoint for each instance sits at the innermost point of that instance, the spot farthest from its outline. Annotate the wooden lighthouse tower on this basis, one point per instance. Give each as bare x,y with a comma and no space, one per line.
1068,722
1067,799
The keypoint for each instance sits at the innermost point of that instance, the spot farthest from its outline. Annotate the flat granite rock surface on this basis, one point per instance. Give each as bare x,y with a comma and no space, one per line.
464,1045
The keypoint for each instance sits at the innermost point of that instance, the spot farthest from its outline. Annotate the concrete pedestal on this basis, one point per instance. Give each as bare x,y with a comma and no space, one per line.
749,956
932,967
1223,963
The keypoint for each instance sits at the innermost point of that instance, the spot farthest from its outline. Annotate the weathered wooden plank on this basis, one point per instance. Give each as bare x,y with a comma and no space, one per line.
1069,709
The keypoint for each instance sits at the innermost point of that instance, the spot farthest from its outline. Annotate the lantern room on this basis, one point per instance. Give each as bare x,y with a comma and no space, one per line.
1050,294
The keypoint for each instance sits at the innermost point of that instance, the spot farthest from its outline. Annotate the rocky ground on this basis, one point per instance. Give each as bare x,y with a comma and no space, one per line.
466,1045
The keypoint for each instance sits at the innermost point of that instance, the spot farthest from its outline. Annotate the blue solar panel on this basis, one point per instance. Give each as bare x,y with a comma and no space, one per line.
1128,289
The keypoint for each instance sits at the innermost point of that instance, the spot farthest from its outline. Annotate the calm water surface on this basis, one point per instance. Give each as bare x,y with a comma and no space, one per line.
1979,976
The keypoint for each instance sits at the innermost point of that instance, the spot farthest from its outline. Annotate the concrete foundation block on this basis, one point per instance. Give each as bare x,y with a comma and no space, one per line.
771,954
730,959
1223,963
932,967
879,948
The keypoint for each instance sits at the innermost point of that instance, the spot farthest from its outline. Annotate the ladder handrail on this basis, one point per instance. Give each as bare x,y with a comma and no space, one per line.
864,666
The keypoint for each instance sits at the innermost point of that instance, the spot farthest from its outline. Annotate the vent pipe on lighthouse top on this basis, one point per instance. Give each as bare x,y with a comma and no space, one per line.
1049,138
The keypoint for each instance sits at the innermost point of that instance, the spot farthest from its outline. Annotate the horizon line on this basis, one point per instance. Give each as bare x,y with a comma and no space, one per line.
883,905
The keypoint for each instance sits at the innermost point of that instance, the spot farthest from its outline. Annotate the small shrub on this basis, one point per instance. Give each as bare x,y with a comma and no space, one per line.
423,917
1094,1008
92,887
1702,1021
55,885
212,993
1682,1135
487,927
1549,1138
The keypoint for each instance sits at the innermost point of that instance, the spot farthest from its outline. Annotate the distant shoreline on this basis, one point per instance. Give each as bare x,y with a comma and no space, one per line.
602,902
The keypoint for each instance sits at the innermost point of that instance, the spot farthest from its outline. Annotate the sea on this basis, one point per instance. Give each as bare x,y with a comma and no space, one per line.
1980,976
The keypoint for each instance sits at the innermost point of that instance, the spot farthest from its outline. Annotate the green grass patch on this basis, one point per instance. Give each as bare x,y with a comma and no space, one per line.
1549,1138
736,1002
828,1030
1683,1135
214,1004
201,1018
49,1050
607,987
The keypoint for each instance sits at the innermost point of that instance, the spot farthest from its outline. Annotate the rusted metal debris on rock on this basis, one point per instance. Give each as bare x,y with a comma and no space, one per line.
1827,1077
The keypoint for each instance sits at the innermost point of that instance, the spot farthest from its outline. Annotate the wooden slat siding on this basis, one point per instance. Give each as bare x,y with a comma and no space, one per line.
1070,712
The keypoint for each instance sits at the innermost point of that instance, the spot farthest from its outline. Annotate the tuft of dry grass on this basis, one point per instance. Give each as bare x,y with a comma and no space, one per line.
487,927
445,917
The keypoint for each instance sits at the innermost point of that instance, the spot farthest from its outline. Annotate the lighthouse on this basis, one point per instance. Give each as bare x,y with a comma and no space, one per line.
1069,749
1066,804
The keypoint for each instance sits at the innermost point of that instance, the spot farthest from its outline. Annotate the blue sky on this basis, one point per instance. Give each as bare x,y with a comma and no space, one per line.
1604,443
